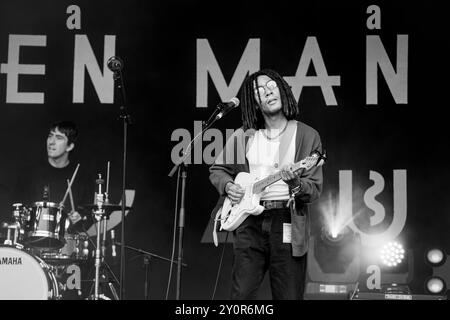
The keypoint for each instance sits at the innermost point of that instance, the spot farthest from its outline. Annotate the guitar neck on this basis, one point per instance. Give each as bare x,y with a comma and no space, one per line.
259,186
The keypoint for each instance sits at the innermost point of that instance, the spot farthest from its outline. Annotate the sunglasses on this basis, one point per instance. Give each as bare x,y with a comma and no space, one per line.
271,85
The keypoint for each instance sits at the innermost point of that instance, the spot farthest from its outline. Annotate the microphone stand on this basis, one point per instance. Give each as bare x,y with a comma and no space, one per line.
147,259
118,80
181,166
147,267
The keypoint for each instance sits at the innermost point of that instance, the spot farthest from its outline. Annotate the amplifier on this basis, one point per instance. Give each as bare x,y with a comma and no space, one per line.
395,296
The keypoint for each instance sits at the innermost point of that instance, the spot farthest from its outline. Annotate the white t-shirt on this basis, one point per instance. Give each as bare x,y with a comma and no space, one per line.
263,158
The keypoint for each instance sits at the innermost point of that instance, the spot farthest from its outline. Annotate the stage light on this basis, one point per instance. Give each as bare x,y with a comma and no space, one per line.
333,264
392,254
435,285
335,236
390,273
435,257
335,220
335,252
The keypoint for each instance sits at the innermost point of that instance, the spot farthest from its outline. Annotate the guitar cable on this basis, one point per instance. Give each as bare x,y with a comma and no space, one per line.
174,236
220,266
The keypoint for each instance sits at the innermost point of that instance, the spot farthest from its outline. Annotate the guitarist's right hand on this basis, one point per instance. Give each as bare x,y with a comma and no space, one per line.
234,192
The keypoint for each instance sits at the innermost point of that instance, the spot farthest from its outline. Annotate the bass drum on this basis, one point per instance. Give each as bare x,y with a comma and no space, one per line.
25,277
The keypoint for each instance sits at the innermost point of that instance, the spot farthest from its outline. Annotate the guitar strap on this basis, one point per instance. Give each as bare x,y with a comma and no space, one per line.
284,145
217,218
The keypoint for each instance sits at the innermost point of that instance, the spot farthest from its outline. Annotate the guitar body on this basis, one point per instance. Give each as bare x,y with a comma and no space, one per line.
233,215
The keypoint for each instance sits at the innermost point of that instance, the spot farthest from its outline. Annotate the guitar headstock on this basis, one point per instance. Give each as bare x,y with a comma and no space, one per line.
316,159
321,157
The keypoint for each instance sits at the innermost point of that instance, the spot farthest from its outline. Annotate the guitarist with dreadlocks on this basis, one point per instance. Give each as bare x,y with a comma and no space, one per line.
270,141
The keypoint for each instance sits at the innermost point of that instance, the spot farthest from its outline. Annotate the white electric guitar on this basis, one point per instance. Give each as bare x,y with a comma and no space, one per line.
232,215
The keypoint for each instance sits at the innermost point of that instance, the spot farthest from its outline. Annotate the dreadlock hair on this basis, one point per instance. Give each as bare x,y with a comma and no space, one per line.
251,116
69,128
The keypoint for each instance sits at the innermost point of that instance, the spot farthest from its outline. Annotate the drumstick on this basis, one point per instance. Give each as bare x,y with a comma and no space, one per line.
70,185
70,196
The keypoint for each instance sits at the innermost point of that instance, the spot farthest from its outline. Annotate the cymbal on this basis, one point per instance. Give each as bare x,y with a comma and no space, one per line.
106,206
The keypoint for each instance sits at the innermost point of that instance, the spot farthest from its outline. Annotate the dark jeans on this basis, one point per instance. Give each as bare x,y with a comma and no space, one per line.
258,247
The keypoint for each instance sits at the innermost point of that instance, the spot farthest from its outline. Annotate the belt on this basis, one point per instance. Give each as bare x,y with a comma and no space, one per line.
274,204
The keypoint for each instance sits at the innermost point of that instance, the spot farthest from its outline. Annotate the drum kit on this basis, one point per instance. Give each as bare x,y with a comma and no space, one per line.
36,249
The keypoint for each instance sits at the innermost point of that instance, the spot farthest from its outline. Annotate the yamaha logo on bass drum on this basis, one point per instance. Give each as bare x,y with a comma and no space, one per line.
10,260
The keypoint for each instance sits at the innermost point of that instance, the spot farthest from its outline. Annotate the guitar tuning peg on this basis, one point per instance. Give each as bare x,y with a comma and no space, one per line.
320,155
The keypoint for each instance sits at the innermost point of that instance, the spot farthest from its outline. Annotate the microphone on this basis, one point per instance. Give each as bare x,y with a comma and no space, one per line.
113,243
227,107
45,195
221,109
115,64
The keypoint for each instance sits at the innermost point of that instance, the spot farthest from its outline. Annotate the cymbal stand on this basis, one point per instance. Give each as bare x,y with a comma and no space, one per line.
105,218
100,216
102,277
104,227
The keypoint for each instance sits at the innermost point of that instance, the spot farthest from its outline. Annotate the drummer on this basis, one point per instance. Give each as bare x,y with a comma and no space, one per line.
47,178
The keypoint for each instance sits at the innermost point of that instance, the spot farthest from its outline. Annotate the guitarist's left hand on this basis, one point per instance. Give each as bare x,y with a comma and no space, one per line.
289,177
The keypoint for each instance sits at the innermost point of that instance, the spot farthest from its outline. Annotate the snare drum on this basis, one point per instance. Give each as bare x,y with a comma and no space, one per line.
76,248
46,227
25,277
